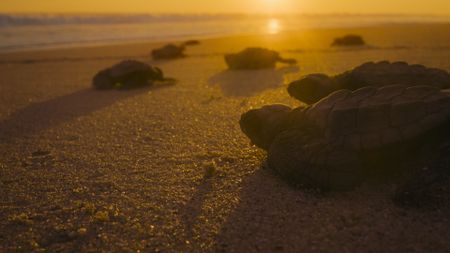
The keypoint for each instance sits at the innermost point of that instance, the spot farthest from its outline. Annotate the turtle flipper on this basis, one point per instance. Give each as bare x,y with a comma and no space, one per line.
159,74
290,61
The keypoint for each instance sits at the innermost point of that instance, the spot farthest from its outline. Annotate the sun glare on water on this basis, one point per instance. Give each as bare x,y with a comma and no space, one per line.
273,26
272,7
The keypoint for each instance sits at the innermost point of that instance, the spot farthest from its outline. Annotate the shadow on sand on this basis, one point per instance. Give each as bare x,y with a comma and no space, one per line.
37,117
274,217
246,83
193,208
270,217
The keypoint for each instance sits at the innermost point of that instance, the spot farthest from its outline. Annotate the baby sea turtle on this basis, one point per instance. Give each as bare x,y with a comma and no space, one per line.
172,51
349,41
314,87
169,51
191,43
350,136
127,74
255,58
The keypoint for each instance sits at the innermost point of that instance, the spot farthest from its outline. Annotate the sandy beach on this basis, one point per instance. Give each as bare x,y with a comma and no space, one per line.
167,169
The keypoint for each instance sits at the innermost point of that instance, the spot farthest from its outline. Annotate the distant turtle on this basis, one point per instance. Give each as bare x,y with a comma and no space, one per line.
255,58
314,87
127,74
349,40
172,51
169,51
191,43
354,136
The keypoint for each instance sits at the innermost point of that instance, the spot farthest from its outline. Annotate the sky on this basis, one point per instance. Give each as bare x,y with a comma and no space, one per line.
440,7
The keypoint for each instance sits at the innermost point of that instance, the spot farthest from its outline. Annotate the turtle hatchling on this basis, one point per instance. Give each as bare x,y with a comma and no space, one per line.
169,51
172,51
314,87
127,74
350,40
255,58
350,137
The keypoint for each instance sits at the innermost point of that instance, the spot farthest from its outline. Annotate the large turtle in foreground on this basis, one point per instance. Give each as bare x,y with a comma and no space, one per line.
127,74
354,136
255,58
314,87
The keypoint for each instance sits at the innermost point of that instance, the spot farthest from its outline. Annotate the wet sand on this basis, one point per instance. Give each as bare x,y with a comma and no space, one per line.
167,169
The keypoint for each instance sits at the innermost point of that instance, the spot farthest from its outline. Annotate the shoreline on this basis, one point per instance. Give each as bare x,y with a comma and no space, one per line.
285,42
179,38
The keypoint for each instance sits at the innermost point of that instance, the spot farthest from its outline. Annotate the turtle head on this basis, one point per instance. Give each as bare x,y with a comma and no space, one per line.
232,61
157,74
262,125
312,88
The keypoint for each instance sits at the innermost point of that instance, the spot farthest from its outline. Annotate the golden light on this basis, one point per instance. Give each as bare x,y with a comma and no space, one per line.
275,6
273,26
270,5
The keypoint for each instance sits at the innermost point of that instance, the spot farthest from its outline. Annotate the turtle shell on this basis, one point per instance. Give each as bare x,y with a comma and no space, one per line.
386,73
128,73
371,117
349,40
128,67
252,58
169,51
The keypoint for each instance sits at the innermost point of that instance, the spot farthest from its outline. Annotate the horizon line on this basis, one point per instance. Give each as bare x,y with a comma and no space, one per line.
232,13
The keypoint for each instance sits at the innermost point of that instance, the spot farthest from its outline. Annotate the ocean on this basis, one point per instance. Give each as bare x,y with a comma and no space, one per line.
36,31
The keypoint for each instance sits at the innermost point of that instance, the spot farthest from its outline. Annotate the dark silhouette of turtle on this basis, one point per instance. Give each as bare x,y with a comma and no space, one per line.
354,136
314,87
255,58
191,43
169,51
127,74
349,41
172,51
